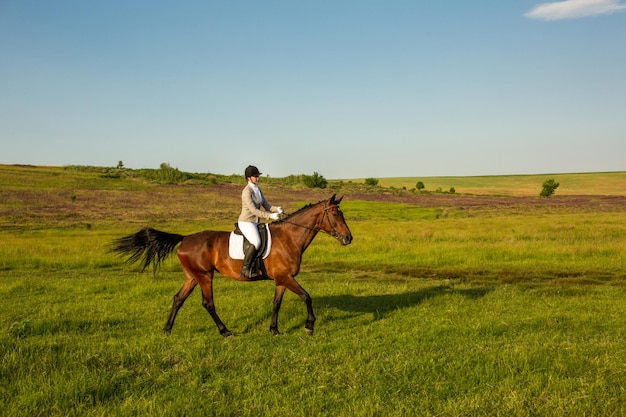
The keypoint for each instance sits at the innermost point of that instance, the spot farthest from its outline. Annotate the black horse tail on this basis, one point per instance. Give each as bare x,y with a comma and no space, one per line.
148,246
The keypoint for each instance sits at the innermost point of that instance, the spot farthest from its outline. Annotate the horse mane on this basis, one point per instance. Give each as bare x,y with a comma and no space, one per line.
308,206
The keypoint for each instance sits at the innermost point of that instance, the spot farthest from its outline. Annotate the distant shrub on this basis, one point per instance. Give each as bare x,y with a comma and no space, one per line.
166,174
549,187
290,180
371,181
420,186
169,175
452,190
314,181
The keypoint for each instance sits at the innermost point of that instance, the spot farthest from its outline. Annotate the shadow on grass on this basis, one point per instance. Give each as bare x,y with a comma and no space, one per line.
380,304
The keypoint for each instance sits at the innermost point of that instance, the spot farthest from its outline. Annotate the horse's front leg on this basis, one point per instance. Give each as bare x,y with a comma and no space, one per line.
310,322
278,299
297,289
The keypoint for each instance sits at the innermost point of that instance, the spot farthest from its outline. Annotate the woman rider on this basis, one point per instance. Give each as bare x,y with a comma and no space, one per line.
252,200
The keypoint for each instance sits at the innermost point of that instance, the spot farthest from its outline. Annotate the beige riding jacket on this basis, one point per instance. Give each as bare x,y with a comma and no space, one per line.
251,206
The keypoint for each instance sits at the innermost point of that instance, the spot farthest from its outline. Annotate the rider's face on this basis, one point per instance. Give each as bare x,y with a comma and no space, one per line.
253,180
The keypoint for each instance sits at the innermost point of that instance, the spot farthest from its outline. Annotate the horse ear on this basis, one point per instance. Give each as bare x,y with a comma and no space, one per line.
333,200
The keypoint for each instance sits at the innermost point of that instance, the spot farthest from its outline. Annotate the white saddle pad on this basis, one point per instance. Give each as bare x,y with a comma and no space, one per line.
235,245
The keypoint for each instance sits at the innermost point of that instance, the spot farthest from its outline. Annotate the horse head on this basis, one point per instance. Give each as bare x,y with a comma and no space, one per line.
334,223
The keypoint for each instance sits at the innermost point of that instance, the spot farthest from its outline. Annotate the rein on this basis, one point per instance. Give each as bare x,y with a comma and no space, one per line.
318,228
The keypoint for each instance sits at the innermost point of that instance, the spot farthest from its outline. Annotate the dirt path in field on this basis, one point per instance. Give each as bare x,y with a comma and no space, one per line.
573,203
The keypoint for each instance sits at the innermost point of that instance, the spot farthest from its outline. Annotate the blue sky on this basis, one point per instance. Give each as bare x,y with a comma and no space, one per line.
348,89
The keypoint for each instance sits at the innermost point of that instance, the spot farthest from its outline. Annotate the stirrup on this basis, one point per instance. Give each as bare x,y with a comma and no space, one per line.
248,273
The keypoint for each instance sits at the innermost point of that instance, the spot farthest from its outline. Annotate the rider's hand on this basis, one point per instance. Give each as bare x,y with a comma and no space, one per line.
274,216
279,210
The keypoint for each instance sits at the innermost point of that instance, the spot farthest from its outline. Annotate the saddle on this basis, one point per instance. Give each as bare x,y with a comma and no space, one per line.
238,245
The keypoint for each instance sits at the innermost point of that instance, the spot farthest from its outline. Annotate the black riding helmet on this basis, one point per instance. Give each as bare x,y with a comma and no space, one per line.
252,171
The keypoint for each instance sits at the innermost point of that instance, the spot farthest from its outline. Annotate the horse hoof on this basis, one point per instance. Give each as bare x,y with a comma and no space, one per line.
274,331
308,331
227,333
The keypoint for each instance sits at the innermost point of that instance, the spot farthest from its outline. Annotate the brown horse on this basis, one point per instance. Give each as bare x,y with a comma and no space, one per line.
203,253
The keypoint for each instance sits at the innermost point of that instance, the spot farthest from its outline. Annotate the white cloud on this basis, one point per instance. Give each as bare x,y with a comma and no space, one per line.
573,9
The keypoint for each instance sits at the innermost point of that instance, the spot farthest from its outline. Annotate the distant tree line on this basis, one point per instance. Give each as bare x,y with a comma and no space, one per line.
166,174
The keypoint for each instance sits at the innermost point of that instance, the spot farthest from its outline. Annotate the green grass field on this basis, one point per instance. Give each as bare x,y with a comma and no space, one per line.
448,306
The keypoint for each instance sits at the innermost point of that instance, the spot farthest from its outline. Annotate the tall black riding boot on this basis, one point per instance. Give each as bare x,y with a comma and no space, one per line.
248,259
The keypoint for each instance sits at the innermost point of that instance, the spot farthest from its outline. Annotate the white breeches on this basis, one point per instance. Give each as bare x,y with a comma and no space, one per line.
251,232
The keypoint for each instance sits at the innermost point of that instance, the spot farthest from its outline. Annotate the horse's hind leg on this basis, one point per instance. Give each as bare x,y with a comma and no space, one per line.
207,302
179,300
210,307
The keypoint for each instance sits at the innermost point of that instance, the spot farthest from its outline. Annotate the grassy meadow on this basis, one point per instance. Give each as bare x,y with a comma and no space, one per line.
444,305
597,183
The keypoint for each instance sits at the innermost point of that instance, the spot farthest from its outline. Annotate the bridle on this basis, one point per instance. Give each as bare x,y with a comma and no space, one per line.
318,228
